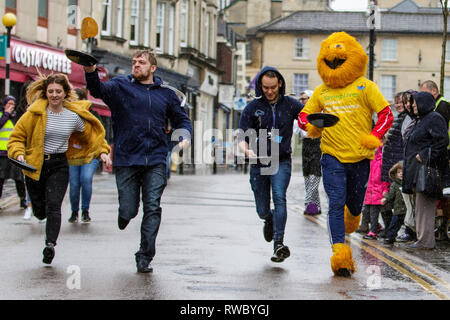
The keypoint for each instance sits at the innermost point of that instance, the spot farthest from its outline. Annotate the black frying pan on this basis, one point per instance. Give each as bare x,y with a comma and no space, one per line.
322,120
80,57
22,165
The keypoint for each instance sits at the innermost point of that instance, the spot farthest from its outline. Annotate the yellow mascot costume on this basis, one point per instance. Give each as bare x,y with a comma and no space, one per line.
348,146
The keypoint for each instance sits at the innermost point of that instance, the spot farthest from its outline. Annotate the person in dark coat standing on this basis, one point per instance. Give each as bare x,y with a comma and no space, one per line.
441,105
8,171
311,168
426,143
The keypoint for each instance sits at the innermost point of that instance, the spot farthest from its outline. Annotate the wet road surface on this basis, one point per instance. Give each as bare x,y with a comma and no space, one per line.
210,246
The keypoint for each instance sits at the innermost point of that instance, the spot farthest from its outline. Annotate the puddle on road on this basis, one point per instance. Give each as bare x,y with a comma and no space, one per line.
194,271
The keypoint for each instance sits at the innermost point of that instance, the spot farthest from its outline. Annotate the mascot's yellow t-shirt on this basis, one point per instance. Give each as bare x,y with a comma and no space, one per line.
354,105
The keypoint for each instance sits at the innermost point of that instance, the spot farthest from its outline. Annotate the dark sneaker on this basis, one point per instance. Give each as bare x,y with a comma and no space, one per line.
85,216
143,266
389,241
122,223
370,236
268,230
280,253
74,217
48,253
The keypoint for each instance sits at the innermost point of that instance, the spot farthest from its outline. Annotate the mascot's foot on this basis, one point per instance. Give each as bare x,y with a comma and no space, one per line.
342,262
351,221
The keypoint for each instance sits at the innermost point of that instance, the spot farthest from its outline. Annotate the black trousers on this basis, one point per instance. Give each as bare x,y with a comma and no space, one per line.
20,188
47,195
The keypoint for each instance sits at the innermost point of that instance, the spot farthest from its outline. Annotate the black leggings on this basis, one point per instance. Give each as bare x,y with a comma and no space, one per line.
47,195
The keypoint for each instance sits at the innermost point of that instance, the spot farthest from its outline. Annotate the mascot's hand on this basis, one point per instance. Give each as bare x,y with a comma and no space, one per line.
369,141
313,131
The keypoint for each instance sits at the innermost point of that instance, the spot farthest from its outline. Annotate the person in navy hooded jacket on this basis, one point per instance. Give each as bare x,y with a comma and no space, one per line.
266,124
140,104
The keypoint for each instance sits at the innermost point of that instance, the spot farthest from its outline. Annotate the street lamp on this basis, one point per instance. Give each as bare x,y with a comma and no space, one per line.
372,37
9,21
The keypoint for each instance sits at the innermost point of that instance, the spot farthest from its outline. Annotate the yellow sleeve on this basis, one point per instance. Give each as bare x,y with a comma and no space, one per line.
375,98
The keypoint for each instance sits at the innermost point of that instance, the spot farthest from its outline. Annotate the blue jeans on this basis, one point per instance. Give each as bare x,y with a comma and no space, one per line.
80,179
261,186
345,185
151,181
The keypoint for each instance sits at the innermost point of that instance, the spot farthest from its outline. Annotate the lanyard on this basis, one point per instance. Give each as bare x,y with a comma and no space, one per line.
274,115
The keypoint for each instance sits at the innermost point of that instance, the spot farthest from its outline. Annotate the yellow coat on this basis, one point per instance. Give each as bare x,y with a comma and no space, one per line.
27,137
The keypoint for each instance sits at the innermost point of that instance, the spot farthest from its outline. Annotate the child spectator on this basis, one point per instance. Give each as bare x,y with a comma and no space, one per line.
396,199
374,194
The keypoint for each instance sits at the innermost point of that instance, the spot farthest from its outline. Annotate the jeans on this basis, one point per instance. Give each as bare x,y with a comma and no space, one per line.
47,195
278,183
151,181
394,226
345,185
81,180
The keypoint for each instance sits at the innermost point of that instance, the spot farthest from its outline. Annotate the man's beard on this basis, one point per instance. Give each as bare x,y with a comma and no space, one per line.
142,76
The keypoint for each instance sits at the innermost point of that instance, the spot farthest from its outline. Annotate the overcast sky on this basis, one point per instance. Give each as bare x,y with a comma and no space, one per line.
349,5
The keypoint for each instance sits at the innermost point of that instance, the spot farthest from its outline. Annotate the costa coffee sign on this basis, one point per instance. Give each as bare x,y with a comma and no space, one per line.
41,58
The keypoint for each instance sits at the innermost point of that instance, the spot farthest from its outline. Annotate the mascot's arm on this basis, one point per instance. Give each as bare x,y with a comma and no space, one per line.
312,131
373,140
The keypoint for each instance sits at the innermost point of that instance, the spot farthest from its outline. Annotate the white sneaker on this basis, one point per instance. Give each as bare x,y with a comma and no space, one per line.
28,213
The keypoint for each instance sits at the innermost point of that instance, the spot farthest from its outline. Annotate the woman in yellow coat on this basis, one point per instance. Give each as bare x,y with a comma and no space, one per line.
55,132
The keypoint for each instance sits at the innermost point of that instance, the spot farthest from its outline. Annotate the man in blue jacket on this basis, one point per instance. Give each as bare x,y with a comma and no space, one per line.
140,104
270,116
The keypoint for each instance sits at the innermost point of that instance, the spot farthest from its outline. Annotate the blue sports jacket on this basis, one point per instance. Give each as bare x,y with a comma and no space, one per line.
258,115
138,114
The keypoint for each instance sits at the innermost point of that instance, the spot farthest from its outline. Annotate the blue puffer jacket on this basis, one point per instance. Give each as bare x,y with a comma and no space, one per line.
138,114
286,111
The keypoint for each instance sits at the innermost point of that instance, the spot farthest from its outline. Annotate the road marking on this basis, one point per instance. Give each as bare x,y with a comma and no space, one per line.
424,284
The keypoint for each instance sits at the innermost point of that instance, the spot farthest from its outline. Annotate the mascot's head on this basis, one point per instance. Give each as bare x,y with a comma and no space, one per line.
341,60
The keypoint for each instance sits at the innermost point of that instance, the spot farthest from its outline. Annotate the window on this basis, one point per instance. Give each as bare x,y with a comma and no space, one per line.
72,17
206,42
160,11
147,23
106,21
389,49
301,83
119,13
389,87
447,51
248,52
184,23
43,13
447,87
171,29
11,6
301,48
134,23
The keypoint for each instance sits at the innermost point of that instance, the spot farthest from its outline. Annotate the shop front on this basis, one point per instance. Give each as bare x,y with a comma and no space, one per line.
29,59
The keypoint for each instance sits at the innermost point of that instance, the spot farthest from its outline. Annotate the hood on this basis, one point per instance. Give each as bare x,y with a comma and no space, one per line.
258,88
425,102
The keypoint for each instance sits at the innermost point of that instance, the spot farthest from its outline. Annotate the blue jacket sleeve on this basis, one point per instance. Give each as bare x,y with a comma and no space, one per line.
98,89
178,116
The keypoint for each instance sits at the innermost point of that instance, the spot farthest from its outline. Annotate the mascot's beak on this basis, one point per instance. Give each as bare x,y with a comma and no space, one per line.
334,64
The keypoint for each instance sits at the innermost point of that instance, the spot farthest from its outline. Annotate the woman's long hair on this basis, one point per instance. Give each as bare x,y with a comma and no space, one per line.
38,89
